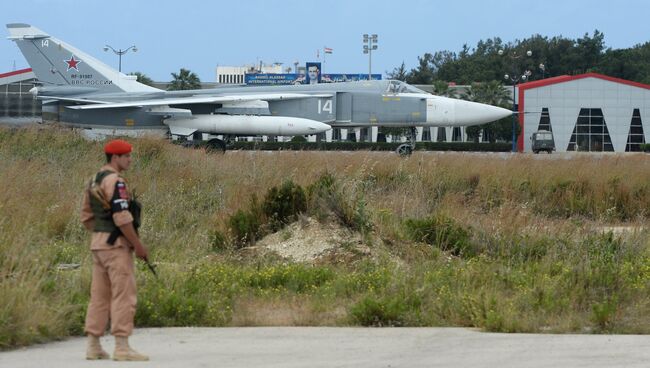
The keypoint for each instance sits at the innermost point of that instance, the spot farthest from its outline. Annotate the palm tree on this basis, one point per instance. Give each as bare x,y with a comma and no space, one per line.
492,93
184,80
441,88
143,78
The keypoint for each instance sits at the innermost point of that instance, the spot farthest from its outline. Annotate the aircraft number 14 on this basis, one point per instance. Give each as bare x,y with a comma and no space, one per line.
327,106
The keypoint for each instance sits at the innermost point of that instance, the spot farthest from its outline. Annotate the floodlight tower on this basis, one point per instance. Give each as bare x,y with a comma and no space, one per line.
369,44
515,78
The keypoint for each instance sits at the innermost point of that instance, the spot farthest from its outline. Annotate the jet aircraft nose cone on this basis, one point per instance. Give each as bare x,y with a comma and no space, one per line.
472,113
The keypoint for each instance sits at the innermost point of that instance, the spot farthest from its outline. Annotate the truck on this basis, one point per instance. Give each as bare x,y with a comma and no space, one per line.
542,140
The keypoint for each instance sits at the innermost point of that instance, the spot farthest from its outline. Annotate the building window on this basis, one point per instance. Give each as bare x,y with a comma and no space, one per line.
336,134
545,121
442,134
426,134
364,135
590,133
352,137
456,135
635,137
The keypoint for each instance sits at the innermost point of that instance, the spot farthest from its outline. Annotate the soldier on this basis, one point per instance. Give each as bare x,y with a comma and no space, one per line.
107,211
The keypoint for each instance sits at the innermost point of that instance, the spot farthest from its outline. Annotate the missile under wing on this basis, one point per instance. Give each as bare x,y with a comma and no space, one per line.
80,90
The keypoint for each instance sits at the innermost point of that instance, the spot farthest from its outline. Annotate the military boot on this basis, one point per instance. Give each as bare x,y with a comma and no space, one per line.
123,351
94,350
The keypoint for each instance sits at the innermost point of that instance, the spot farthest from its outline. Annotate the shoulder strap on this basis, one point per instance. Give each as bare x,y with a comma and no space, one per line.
96,192
99,177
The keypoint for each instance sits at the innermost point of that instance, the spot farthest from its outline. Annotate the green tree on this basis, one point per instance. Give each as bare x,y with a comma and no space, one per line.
143,78
424,73
399,73
560,55
184,80
631,64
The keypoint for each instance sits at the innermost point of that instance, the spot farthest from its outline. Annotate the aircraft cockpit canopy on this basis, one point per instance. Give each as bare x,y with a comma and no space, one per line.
395,87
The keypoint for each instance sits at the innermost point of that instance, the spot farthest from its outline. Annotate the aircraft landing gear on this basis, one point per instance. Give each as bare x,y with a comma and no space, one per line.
407,149
215,145
404,150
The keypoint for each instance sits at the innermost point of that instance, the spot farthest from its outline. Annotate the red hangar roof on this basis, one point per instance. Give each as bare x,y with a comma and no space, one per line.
561,79
15,72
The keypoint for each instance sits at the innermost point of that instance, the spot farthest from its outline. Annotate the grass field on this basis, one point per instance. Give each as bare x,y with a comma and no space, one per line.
504,243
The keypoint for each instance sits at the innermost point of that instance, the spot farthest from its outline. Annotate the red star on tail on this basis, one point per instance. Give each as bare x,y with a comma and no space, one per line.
72,63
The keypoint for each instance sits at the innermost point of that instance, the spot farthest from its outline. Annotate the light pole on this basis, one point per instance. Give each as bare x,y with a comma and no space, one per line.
369,44
542,67
515,78
120,52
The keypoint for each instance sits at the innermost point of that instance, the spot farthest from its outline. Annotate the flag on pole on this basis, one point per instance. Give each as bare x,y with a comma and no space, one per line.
327,50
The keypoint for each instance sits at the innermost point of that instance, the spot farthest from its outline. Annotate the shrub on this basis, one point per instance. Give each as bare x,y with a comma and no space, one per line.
245,227
603,314
441,231
327,198
282,205
392,311
218,241
298,139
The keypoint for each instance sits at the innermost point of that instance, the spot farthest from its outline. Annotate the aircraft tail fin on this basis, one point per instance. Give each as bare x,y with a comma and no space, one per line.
56,63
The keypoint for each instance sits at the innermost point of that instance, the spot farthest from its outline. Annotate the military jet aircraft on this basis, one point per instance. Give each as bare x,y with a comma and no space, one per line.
81,91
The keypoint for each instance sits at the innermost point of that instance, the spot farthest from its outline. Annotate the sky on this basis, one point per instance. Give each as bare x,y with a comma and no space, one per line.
199,35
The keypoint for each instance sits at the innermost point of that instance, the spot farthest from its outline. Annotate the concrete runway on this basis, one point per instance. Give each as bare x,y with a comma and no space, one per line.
348,347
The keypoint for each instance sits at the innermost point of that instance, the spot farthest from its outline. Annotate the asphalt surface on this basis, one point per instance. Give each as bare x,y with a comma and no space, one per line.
348,347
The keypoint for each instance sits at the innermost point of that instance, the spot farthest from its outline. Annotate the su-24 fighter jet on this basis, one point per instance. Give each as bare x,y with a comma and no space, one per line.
81,91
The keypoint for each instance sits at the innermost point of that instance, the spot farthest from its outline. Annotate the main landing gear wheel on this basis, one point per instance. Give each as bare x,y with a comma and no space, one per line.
404,149
215,146
407,149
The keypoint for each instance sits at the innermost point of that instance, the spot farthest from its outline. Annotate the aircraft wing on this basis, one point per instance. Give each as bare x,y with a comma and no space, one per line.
198,100
71,99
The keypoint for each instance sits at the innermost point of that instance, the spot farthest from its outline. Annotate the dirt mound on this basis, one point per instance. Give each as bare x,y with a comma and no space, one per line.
308,240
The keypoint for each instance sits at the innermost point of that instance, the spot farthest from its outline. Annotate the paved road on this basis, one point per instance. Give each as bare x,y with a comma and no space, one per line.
349,347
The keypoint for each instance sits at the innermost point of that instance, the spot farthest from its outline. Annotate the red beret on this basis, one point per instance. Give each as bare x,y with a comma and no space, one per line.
117,147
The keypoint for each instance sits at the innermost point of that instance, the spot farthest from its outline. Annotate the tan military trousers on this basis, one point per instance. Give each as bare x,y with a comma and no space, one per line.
112,293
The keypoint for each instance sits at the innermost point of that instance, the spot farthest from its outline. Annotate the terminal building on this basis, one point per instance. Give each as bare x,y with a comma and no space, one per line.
587,113
237,74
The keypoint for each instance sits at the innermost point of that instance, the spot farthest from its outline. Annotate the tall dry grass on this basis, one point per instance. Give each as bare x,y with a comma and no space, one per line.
535,258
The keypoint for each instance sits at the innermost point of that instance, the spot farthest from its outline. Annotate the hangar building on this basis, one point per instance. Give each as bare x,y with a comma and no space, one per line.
15,100
587,112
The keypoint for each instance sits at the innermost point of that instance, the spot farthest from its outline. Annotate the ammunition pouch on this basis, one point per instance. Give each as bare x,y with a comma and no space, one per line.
136,210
